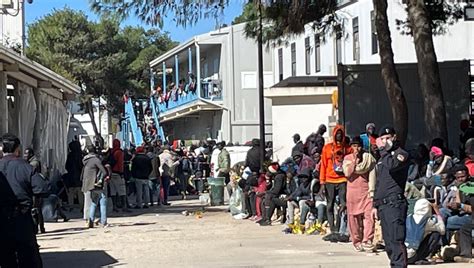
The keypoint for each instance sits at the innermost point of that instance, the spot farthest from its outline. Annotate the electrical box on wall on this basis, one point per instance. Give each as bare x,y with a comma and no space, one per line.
6,3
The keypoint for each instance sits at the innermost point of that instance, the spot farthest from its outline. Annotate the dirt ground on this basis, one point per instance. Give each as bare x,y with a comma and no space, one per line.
164,237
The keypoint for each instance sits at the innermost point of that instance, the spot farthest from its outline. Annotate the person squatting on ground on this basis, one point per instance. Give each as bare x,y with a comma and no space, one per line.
18,245
423,232
390,205
359,170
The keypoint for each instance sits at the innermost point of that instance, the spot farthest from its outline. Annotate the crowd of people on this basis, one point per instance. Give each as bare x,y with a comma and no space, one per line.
348,190
350,187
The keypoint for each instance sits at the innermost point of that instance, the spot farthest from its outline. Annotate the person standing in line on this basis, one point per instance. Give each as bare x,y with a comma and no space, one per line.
23,250
252,160
155,175
390,205
315,140
299,146
332,178
118,188
94,176
168,164
73,177
141,170
369,138
223,165
359,169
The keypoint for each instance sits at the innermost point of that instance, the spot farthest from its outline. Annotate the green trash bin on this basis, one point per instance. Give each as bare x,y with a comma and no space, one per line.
217,190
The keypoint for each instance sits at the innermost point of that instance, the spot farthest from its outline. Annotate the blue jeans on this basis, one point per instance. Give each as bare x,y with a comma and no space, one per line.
101,198
154,185
454,222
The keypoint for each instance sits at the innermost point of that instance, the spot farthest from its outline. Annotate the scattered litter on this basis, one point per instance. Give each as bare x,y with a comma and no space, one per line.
157,215
185,213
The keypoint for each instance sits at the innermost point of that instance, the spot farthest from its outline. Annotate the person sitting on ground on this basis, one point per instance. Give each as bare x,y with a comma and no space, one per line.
272,196
446,192
469,161
299,147
439,163
465,233
303,161
298,198
259,195
423,232
359,170
457,213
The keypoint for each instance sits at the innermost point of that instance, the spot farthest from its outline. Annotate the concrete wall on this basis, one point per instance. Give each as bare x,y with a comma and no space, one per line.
455,44
297,114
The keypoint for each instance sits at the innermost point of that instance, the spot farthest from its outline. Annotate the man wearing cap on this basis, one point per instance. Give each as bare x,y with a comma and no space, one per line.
223,165
390,205
299,147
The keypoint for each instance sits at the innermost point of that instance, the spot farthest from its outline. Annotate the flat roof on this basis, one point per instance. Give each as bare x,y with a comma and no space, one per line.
307,81
34,74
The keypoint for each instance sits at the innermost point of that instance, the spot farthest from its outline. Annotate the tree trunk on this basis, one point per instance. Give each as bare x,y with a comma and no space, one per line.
428,71
90,111
389,73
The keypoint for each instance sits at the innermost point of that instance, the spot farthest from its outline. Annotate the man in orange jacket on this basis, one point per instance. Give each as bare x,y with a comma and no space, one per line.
332,177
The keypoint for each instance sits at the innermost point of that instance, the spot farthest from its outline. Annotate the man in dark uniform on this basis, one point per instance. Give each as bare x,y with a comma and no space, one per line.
22,250
389,200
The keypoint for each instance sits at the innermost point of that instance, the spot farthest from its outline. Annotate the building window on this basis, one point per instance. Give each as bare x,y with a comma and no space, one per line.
355,39
317,52
307,55
280,64
293,59
375,41
338,47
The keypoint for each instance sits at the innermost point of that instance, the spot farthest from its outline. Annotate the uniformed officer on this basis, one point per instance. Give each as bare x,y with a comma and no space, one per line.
390,205
22,250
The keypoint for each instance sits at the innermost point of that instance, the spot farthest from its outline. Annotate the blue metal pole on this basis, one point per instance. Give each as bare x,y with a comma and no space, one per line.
176,67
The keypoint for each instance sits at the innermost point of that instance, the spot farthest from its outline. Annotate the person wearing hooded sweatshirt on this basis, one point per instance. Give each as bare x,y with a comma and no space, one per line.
439,164
315,140
331,174
303,162
359,169
298,198
93,176
423,232
118,190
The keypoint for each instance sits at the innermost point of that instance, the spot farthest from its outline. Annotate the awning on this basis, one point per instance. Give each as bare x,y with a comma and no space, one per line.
190,108
303,86
36,75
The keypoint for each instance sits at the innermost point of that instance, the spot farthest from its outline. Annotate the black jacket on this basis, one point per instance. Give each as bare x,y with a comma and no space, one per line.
7,196
141,167
278,187
298,148
302,193
253,159
392,174
19,176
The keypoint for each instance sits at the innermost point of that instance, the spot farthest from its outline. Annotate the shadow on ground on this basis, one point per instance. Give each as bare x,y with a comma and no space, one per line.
72,259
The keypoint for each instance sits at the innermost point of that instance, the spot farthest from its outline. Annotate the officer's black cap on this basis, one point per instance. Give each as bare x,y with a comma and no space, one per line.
387,130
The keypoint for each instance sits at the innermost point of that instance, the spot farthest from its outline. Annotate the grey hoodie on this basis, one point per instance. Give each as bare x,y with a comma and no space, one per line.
92,166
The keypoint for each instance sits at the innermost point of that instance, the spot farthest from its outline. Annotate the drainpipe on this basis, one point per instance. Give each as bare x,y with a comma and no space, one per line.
198,68
190,61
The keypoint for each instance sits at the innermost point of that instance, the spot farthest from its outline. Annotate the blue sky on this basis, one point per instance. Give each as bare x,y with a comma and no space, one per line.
39,8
